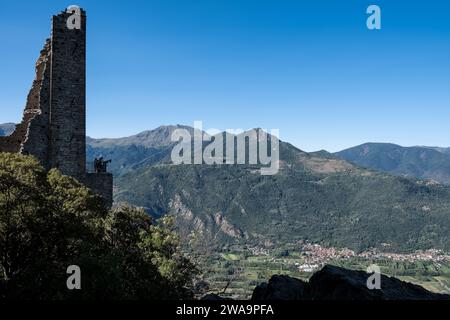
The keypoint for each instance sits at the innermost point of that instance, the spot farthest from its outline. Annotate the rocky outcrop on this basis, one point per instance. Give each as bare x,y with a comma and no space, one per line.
281,288
214,297
335,283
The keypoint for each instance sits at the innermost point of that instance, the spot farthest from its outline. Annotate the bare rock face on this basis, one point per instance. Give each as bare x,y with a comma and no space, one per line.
334,283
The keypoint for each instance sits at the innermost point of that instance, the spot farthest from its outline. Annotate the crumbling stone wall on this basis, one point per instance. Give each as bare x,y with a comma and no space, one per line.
53,128
31,135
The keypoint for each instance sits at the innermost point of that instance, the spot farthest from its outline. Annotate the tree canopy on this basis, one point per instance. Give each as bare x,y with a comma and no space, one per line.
49,222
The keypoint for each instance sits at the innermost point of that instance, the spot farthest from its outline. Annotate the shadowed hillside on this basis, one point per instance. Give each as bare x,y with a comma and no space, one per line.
316,197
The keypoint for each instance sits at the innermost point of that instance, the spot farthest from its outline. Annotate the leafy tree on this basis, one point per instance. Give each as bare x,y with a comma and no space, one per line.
147,256
49,221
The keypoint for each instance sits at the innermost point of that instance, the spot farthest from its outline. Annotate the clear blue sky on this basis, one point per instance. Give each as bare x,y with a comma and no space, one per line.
309,68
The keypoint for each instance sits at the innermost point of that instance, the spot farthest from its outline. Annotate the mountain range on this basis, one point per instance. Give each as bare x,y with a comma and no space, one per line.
318,197
429,163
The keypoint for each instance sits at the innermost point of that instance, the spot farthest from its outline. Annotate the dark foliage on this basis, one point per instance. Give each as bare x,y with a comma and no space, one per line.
49,221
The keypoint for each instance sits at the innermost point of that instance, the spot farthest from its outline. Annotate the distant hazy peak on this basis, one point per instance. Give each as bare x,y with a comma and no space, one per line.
7,128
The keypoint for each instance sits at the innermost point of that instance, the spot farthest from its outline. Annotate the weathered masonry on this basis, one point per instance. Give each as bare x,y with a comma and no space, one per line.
53,128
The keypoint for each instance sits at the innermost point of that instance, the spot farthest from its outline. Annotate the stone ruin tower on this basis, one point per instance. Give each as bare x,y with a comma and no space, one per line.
53,128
